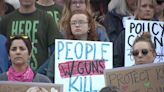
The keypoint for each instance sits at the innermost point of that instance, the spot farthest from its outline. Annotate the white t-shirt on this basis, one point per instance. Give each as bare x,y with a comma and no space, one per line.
15,3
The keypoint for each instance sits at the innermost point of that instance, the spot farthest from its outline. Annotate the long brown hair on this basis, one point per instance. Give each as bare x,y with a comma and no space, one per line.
92,36
67,13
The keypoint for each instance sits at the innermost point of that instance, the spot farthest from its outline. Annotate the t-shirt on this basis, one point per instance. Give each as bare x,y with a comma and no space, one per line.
54,10
38,25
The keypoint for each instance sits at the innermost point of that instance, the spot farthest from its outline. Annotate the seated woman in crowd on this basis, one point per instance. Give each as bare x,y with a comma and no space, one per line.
19,50
143,49
82,26
145,11
69,7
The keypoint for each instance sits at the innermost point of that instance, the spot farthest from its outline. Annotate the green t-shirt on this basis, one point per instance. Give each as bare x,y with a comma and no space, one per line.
54,10
39,26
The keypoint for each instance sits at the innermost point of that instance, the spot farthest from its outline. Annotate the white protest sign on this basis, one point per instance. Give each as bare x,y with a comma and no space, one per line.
79,65
135,28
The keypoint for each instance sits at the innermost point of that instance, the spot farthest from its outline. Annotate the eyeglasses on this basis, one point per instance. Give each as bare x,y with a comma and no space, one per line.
19,36
136,52
80,22
77,2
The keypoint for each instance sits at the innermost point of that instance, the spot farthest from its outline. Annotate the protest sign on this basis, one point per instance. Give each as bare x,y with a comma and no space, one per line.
139,78
79,65
9,86
136,28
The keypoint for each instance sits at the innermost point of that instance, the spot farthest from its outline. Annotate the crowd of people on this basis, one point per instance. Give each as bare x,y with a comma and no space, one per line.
28,29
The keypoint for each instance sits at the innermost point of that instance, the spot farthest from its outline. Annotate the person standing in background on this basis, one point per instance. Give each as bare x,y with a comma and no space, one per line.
55,10
51,7
117,9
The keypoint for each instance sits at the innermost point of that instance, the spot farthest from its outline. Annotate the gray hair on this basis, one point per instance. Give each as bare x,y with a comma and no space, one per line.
120,7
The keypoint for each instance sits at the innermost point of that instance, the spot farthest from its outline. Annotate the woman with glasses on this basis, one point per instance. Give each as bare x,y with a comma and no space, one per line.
69,7
83,5
19,50
82,27
143,49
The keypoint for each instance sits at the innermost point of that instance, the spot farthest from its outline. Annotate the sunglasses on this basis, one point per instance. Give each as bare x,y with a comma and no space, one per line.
143,51
19,36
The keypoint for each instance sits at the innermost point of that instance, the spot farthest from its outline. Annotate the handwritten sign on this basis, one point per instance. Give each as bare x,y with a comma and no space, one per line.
8,86
139,78
135,28
79,65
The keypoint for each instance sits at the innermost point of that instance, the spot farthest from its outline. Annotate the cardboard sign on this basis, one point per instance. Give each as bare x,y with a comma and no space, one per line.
8,86
135,28
139,78
79,65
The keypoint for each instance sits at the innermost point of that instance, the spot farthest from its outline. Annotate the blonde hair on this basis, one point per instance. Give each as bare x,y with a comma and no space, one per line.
36,89
120,7
139,5
63,24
